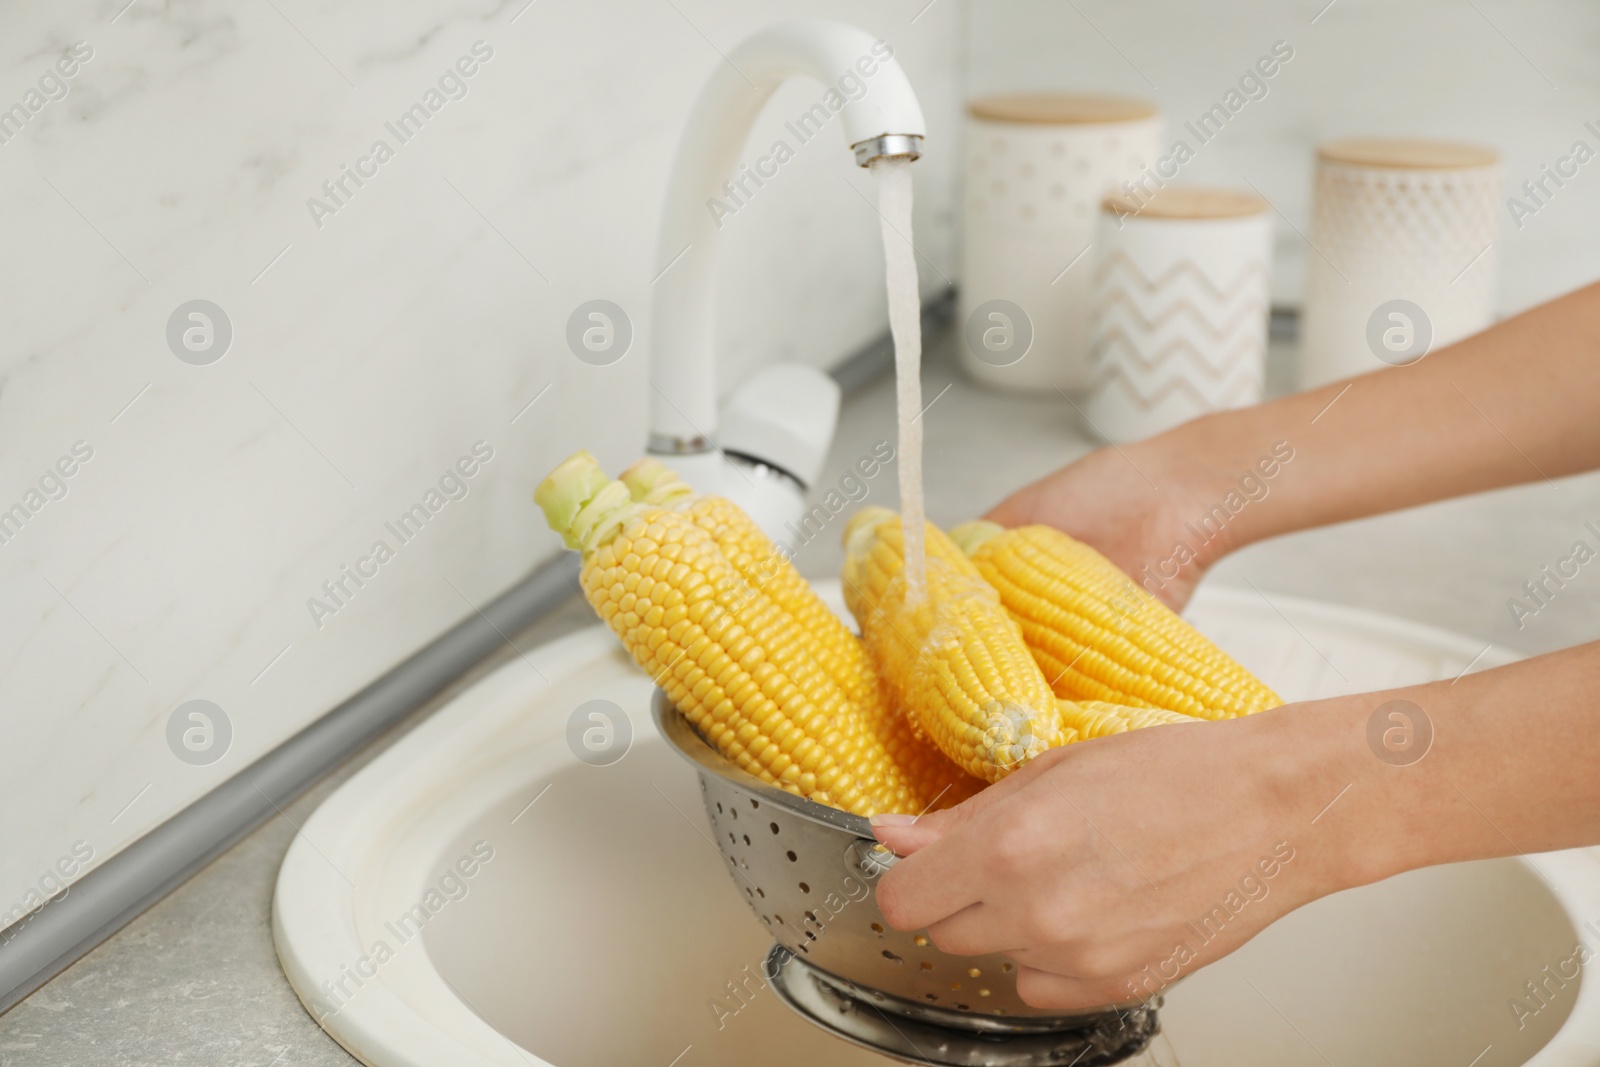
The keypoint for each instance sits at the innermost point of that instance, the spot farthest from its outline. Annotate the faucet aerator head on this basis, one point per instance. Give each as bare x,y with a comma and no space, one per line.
888,146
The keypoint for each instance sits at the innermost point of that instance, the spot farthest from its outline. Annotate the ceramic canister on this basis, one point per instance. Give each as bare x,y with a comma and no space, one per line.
1181,302
1038,165
1402,254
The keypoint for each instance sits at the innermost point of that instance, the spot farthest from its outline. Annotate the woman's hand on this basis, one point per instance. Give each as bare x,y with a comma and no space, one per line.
1359,450
1110,868
1132,505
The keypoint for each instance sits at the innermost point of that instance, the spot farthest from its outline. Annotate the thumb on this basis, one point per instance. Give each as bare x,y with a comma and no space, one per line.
1010,512
906,834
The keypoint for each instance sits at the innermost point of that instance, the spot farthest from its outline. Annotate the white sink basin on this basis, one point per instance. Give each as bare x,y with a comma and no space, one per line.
601,930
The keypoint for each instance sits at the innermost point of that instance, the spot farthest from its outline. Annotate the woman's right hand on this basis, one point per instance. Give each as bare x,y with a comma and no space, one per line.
1531,379
1138,508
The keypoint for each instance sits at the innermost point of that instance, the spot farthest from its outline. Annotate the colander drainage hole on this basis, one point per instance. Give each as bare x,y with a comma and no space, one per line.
877,928
933,998
747,839
755,803
734,812
762,893
719,807
891,956
773,827
792,857
804,888
927,966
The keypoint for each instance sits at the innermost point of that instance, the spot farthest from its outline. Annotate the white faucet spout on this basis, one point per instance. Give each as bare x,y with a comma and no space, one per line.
879,115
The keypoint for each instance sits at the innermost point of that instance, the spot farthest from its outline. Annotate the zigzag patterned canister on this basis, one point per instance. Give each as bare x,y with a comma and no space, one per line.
1038,165
1182,297
1402,260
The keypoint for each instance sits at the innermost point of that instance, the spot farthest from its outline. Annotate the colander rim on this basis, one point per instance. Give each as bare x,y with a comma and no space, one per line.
677,731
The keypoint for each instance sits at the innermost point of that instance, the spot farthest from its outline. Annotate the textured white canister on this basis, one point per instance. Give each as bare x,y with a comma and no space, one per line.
1038,165
1181,300
1396,226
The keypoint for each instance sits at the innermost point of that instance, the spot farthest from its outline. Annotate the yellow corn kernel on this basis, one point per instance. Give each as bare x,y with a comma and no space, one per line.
761,564
1088,719
954,660
1098,635
926,779
731,660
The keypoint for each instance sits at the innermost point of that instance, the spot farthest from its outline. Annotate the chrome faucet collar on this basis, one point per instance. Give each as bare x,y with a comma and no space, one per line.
906,146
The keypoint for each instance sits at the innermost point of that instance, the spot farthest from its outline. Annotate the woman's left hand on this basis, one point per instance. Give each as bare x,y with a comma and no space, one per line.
1109,868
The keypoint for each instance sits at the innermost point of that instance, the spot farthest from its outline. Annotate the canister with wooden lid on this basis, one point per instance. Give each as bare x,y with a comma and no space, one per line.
1038,165
1402,257
1181,302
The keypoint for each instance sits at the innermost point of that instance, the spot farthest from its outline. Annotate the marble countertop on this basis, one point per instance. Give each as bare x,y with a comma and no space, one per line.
194,980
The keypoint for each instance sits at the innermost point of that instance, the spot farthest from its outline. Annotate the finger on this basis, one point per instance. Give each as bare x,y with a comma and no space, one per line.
908,833
1008,512
973,931
947,874
1059,992
954,870
910,838
916,892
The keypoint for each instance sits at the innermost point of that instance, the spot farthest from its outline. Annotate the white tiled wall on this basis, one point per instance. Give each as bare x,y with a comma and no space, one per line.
1519,76
370,353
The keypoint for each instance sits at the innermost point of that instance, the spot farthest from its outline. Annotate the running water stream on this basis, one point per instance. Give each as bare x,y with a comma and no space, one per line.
905,325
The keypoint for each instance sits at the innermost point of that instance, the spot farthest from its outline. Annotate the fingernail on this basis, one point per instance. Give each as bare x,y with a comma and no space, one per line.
892,819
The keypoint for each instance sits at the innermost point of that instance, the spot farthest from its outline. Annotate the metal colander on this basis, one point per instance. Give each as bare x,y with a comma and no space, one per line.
809,873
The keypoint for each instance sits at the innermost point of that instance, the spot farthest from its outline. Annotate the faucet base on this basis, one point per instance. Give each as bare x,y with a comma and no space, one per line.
770,496
663,444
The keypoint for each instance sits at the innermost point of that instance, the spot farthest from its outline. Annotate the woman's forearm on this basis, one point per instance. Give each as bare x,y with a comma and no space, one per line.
1497,763
1516,403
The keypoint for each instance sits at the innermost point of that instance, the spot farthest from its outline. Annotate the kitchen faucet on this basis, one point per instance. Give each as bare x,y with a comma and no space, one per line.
773,434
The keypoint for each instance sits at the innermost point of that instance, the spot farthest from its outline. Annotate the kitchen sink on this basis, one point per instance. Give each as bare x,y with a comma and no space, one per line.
480,894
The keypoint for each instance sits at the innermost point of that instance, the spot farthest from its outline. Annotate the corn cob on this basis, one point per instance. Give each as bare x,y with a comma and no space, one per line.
1092,718
728,658
761,564
955,659
1099,636
933,781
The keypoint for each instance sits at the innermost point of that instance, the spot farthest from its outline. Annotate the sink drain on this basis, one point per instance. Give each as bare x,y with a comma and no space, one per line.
893,1029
